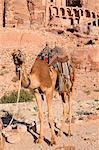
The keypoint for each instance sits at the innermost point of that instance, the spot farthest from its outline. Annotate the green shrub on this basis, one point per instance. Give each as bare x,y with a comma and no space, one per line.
25,96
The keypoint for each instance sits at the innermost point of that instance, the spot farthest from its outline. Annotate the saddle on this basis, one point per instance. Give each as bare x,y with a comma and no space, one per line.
54,57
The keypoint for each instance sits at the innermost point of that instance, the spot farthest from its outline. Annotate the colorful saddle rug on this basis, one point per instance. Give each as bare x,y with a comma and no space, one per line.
50,55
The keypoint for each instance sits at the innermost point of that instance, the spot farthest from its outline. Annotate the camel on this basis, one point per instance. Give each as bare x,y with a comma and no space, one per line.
41,78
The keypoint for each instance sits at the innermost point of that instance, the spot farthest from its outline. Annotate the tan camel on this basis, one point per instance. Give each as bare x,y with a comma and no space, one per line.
39,78
44,78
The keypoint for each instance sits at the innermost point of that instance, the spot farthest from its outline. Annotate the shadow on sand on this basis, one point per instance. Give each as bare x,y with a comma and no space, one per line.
32,129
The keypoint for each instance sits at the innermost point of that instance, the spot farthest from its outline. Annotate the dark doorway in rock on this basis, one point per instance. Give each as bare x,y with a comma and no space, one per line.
4,11
98,22
74,3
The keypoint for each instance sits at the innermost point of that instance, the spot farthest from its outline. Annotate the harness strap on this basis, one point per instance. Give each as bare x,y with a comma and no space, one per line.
28,83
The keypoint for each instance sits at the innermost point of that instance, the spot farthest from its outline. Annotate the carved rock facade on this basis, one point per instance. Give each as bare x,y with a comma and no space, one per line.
16,13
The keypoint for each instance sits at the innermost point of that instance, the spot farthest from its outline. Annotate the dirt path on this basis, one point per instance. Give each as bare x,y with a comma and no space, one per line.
85,126
85,137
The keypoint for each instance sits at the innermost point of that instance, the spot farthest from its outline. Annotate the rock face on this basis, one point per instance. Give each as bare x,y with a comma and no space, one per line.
87,59
16,13
91,4
29,13
1,12
9,13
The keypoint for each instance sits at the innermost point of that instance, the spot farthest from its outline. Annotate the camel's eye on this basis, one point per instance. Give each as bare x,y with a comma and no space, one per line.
19,55
15,59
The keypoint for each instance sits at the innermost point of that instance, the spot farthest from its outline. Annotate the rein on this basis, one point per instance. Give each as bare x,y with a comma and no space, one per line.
3,131
18,96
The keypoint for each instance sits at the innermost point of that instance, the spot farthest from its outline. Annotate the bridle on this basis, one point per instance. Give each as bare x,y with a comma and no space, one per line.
18,58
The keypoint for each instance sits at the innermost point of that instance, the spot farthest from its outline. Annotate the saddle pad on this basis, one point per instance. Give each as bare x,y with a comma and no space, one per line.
65,70
50,55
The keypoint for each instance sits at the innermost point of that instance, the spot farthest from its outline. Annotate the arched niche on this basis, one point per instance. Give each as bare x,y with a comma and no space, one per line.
50,14
72,21
93,15
62,11
54,11
80,12
87,12
94,23
68,11
98,22
76,12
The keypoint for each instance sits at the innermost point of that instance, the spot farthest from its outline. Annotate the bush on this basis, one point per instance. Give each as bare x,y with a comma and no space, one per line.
25,96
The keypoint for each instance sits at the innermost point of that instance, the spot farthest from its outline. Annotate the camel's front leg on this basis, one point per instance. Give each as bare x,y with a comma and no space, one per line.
53,74
49,98
41,118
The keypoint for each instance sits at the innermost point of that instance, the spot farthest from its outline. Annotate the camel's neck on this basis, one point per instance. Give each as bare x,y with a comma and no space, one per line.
25,81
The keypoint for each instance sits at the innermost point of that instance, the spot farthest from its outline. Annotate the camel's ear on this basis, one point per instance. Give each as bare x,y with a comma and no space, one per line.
13,53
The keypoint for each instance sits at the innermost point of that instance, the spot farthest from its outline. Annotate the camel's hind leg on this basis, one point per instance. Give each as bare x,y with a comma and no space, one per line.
41,118
49,98
65,112
70,115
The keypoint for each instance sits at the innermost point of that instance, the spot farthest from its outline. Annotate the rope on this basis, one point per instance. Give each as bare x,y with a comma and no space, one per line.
3,132
18,96
19,89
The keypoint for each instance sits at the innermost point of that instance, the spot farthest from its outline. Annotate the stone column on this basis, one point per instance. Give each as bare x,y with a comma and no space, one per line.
44,2
47,14
9,13
96,22
85,3
58,3
1,12
63,3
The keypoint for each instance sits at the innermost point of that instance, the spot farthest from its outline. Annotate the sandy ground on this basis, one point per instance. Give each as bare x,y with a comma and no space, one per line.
85,97
85,125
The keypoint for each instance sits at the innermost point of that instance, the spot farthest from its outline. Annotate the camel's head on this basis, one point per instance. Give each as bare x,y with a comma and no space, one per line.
18,59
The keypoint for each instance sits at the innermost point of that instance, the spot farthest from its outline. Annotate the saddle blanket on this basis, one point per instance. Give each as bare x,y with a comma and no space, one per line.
55,57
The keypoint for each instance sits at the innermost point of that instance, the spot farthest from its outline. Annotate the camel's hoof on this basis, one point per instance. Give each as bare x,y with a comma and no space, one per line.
60,133
53,142
69,133
39,140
